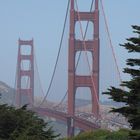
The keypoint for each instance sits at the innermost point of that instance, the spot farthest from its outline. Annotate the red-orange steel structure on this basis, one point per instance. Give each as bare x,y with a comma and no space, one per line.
75,81
25,95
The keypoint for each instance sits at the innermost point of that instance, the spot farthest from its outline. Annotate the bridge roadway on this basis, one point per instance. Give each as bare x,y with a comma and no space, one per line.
78,122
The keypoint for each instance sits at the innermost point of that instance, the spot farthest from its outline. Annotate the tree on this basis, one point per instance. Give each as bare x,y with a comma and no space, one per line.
22,124
101,135
131,96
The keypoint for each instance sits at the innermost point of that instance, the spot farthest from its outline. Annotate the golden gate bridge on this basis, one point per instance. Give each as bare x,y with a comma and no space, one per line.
75,48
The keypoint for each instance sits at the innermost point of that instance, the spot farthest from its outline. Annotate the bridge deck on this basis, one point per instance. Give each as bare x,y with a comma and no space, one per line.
78,122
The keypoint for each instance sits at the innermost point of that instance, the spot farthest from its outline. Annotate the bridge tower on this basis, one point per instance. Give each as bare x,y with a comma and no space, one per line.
25,71
74,80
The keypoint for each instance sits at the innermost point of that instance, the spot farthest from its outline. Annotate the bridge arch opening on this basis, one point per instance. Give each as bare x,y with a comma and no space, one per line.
25,82
83,101
25,99
25,50
25,65
87,29
82,61
86,6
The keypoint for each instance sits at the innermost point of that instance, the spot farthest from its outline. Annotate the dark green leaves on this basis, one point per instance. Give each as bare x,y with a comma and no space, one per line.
22,124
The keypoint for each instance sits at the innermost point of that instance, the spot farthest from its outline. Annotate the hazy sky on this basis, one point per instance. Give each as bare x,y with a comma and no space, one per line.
43,21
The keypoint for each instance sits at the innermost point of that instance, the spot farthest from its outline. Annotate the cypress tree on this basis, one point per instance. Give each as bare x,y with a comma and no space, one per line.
131,95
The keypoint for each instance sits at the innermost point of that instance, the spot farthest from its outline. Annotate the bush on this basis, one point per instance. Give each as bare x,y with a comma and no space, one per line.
102,135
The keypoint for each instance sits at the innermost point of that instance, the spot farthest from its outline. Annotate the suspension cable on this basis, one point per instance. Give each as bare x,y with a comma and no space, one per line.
60,46
110,42
62,100
78,56
40,83
112,48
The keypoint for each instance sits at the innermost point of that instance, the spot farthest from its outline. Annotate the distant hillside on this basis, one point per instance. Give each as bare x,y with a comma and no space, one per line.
112,103
83,102
7,94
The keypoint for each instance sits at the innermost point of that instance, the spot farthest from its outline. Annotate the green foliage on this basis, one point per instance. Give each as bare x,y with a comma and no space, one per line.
134,135
119,135
22,124
102,135
131,96
97,135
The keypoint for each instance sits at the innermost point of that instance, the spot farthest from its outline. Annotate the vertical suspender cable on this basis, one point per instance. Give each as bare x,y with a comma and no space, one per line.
111,45
35,62
60,46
